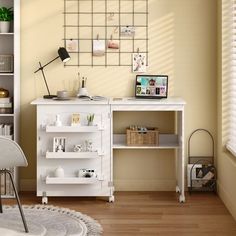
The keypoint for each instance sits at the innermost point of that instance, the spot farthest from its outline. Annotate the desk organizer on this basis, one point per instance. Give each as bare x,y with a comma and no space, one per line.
138,137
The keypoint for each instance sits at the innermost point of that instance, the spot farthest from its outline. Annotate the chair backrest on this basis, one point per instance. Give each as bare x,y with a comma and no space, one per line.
11,154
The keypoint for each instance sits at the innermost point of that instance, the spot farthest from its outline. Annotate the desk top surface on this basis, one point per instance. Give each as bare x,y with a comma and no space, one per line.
112,101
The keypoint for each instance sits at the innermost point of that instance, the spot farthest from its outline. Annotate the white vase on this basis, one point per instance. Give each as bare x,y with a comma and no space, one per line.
5,26
58,121
59,172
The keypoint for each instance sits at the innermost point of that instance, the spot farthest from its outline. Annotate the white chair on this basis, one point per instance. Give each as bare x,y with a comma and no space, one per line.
11,155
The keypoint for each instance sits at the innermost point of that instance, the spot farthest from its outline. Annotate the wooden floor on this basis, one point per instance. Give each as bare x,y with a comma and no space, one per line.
151,213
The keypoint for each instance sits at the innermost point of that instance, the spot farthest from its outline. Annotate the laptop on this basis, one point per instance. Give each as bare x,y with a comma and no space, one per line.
151,86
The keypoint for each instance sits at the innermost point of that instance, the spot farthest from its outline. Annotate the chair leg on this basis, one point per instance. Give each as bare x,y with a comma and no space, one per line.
0,202
18,201
0,194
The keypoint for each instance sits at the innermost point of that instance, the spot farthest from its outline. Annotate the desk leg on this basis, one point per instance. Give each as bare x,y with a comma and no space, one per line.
180,157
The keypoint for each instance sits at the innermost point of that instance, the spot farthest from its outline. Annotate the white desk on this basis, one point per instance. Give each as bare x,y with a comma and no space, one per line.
103,138
166,141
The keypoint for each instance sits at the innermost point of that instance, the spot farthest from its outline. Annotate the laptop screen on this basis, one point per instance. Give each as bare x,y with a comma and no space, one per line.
151,86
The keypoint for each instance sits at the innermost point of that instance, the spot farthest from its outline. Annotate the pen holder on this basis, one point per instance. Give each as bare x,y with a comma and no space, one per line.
82,92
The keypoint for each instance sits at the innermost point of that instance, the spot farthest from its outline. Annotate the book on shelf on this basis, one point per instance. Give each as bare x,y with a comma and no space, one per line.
5,100
6,105
91,98
6,129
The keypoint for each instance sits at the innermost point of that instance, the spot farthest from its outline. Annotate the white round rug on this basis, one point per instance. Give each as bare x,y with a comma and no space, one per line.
46,220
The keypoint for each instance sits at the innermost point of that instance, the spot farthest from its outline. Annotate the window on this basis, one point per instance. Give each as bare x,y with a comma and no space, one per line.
229,74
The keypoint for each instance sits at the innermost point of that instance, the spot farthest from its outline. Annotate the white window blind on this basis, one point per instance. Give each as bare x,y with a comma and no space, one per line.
231,140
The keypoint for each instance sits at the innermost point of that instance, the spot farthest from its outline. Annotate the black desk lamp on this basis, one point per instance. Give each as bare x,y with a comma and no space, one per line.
64,55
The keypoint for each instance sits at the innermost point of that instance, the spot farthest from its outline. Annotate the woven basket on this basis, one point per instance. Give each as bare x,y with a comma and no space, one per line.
140,138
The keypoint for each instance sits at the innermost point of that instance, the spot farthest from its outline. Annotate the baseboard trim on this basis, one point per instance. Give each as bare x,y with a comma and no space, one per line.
226,198
28,185
144,185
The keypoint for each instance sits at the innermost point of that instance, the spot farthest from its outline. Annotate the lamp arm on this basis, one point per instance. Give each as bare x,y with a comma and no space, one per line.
41,67
45,81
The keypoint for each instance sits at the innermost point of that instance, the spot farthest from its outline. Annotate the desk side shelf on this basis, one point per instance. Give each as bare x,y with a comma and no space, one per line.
166,141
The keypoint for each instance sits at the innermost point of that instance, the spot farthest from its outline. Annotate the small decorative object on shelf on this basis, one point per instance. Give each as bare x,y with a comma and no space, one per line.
78,148
87,173
88,146
4,93
90,119
59,172
75,119
58,122
5,102
59,144
6,16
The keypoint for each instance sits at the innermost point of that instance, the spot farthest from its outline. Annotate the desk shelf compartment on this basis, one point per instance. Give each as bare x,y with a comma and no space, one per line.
71,180
73,155
166,141
73,129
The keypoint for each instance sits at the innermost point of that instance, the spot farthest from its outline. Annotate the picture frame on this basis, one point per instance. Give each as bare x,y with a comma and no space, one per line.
75,119
59,144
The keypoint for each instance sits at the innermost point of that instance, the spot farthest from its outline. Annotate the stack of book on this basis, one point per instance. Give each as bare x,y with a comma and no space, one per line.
5,105
6,129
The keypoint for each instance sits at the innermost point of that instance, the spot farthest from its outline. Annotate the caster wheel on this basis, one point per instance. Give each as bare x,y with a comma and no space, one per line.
44,200
111,199
177,190
181,199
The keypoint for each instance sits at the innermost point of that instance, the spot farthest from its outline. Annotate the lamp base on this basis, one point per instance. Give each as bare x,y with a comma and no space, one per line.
49,96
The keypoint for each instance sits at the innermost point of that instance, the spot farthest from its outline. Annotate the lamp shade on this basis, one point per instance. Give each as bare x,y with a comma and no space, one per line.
63,54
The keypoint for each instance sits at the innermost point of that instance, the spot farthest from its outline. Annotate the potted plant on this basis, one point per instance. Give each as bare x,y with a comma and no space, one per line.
6,16
90,119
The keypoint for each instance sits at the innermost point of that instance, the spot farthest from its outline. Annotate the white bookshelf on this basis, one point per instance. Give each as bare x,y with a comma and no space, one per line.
10,44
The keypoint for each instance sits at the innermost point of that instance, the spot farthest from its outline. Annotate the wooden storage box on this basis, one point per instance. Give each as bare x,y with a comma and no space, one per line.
141,138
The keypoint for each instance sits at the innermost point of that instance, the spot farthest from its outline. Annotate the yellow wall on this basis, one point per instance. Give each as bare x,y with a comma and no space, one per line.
182,45
225,161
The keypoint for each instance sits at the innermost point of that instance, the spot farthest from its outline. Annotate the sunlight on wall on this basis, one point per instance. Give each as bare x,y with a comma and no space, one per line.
162,42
